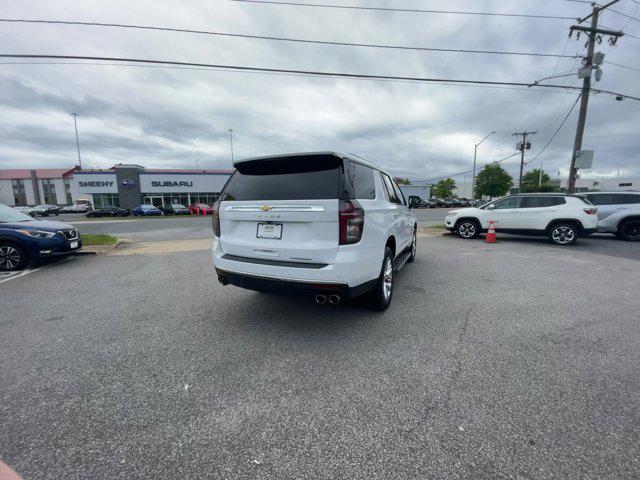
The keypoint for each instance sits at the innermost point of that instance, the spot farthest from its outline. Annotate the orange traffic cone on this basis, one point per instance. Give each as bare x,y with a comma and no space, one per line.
491,234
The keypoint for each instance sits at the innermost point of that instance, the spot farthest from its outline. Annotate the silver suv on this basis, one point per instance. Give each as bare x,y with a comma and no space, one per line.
618,213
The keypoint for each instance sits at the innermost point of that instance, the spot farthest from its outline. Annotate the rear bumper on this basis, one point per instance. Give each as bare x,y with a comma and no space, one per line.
355,271
291,287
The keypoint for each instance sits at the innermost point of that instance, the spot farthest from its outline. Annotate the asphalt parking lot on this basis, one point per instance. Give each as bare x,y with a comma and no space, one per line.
514,360
183,227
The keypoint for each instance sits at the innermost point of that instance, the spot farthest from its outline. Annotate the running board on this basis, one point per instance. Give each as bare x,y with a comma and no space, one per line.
399,262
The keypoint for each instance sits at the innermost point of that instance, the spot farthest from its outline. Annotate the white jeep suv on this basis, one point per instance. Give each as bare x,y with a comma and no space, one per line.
563,218
327,224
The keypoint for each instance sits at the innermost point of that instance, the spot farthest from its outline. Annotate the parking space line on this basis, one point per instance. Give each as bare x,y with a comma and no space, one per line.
32,270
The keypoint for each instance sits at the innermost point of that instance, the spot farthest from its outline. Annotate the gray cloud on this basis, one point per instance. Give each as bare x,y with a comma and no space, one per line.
170,117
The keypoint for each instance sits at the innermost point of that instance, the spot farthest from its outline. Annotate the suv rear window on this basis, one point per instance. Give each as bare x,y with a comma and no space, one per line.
359,181
307,177
613,198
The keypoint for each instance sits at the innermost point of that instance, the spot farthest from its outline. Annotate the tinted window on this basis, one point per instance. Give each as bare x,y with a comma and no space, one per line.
399,193
509,202
539,202
607,198
286,178
359,181
630,198
391,193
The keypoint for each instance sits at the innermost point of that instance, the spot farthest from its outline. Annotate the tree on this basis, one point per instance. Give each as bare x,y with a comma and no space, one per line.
402,181
493,181
444,188
531,180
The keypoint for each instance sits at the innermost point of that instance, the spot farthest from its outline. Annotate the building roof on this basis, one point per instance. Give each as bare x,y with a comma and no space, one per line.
22,173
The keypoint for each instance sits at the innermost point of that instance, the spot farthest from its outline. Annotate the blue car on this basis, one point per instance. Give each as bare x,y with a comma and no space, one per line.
146,210
23,238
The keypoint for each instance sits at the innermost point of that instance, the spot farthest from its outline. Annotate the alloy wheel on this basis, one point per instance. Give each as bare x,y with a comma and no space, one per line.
467,230
633,233
563,234
387,280
9,257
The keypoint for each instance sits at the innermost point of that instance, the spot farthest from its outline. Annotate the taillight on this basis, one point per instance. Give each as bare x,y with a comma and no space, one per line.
590,211
215,214
351,222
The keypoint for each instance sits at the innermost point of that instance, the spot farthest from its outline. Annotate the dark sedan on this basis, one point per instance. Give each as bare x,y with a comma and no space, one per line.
23,238
176,209
146,210
109,212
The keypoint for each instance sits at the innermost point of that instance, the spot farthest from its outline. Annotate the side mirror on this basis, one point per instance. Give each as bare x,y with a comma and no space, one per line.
491,207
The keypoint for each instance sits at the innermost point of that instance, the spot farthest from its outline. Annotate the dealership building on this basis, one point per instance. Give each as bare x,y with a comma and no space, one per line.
120,186
39,186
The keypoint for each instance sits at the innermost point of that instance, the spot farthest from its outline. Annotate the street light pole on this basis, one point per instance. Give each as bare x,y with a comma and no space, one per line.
231,141
75,122
475,155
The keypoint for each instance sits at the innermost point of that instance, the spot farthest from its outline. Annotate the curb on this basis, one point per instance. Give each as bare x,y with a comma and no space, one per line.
101,249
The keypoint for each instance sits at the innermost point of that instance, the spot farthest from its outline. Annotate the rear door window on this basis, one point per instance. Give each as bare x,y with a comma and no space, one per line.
359,181
391,193
540,202
307,177
630,198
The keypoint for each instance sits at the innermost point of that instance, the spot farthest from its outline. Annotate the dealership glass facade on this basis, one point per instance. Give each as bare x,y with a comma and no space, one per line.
102,200
19,193
163,199
49,190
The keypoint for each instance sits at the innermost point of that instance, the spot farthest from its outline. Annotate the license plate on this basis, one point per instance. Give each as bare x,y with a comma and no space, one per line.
269,230
73,245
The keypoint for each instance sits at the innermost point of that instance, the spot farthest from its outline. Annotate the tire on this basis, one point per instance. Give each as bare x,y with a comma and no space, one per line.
563,234
379,298
12,257
630,231
468,229
414,246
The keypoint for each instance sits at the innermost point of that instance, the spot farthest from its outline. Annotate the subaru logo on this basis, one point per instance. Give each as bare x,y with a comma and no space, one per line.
127,183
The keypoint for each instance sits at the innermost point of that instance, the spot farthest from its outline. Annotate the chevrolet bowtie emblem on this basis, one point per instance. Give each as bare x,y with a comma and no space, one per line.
266,208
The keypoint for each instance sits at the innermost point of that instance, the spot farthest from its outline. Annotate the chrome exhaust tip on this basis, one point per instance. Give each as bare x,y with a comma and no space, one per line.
334,299
321,299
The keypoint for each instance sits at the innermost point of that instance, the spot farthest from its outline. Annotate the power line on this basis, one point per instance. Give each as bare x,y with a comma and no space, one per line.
280,39
313,73
468,171
557,131
409,10
622,66
624,15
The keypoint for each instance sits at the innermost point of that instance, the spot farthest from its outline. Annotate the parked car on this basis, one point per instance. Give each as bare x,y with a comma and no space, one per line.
464,202
327,224
439,202
45,210
109,212
563,218
454,203
146,210
25,210
176,209
76,208
618,213
417,202
200,209
23,238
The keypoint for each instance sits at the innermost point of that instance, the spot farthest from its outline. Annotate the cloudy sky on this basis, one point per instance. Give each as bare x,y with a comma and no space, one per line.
167,117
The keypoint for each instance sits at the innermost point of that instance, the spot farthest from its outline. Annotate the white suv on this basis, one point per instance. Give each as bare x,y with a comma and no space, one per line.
328,224
563,218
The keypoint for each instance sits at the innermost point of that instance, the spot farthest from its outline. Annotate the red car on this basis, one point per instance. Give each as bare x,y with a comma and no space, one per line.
200,209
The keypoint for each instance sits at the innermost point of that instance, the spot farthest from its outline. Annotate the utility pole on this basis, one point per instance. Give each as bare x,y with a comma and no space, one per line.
522,147
75,122
594,33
